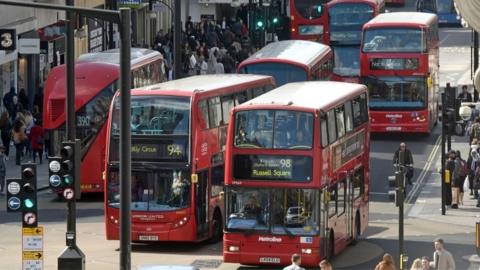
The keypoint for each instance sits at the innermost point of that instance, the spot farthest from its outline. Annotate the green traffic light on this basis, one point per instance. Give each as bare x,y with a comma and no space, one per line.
28,203
275,20
68,179
259,24
319,9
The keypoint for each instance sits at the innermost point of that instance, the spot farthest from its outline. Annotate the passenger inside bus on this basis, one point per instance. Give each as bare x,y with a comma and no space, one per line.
252,209
180,186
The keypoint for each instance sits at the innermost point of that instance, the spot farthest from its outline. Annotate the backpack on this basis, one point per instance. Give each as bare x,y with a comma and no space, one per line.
463,168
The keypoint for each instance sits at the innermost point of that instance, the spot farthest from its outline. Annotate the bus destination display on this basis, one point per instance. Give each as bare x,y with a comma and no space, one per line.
156,150
264,167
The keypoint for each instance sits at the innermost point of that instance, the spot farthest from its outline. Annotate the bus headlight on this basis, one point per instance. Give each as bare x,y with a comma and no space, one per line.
307,250
233,248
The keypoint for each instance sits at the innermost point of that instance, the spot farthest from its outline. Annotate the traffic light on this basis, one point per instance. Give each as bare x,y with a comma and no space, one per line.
449,121
70,170
259,24
28,195
275,20
54,174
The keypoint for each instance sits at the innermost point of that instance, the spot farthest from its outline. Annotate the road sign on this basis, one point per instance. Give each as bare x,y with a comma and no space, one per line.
29,218
32,248
14,203
13,188
55,180
68,193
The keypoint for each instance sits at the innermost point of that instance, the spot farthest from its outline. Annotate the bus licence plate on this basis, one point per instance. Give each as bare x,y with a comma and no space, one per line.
148,237
394,128
269,260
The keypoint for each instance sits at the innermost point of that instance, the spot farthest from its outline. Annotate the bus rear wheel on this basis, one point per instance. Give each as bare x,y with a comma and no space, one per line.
217,228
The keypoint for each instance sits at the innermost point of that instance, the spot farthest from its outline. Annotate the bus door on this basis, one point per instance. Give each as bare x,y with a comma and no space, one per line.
324,199
349,206
201,204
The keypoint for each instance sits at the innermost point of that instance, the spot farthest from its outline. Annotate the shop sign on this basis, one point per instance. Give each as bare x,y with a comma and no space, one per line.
29,46
8,39
134,4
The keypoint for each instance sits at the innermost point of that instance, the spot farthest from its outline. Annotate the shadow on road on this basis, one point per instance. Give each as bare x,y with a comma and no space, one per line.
177,248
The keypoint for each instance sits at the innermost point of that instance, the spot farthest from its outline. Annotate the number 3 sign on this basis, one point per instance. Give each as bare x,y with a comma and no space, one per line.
7,39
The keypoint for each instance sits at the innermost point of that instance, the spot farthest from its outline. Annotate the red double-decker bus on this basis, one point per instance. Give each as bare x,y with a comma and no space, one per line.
400,66
96,80
345,21
297,174
291,61
308,19
179,130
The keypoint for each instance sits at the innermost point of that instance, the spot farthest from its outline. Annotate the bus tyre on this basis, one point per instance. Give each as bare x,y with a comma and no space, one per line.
331,246
217,228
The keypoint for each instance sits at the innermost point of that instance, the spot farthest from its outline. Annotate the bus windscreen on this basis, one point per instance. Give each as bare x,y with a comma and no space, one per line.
155,115
347,60
277,129
394,40
346,21
309,9
280,211
396,92
282,73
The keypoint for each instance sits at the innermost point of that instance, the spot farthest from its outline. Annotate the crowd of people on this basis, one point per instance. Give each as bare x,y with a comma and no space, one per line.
209,47
20,126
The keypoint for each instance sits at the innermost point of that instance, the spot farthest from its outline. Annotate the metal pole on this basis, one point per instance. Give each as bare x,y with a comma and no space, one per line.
401,158
125,166
177,39
449,142
70,109
444,189
475,50
111,43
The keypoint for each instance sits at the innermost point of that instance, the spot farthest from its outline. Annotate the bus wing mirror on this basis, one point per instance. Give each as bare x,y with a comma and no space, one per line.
194,178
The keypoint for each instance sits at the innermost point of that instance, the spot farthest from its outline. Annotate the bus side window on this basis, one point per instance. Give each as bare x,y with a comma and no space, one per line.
363,108
332,200
348,116
332,130
340,118
215,112
324,133
203,114
341,197
241,98
227,105
217,180
257,92
358,183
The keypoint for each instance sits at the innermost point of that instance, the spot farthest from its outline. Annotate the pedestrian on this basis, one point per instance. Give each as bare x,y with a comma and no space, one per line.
8,100
425,263
23,98
296,262
37,141
417,264
386,263
19,137
2,168
474,130
442,258
471,164
465,96
462,176
450,167
407,161
5,129
325,265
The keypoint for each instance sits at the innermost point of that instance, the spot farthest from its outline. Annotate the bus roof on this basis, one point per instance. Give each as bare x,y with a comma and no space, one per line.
311,94
298,52
203,83
375,2
113,56
402,18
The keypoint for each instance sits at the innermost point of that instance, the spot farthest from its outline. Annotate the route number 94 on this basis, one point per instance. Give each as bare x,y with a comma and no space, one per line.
174,150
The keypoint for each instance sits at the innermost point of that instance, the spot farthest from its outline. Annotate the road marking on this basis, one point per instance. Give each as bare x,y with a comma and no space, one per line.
424,172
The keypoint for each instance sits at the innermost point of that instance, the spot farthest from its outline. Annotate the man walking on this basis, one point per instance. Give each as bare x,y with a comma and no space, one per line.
442,258
296,261
407,161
